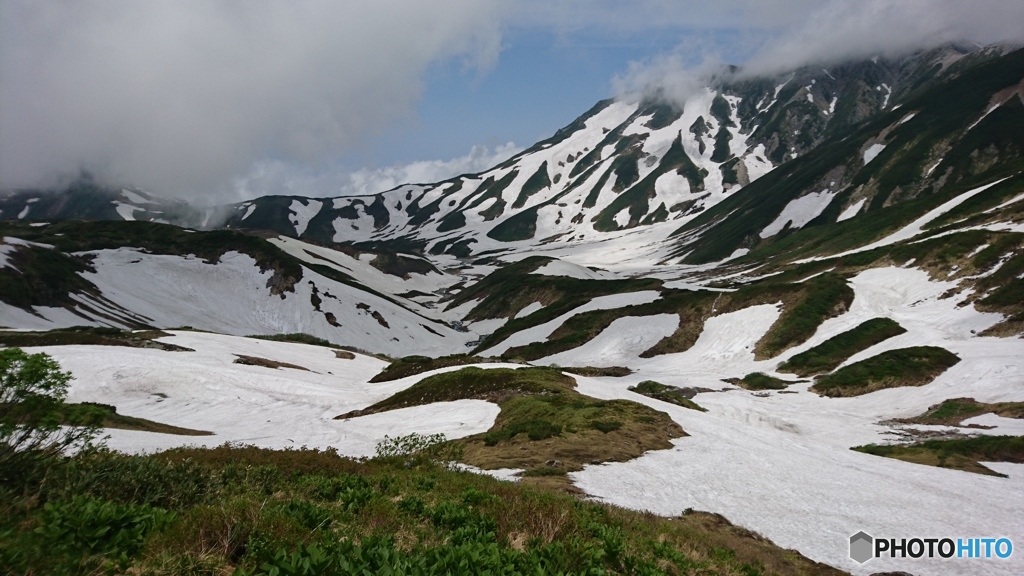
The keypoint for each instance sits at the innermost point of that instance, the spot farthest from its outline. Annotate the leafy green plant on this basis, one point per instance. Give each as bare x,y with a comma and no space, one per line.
91,526
420,448
34,428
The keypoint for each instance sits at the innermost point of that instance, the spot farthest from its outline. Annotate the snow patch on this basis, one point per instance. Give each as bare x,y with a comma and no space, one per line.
529,309
135,198
126,211
541,332
851,210
301,214
872,152
620,343
565,268
799,212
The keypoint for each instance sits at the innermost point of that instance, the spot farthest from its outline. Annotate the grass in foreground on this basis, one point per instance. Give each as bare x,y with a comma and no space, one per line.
245,510
960,454
954,411
543,419
670,394
759,381
914,366
828,355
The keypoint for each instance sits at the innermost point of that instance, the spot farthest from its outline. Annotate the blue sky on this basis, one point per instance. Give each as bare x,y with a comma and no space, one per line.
541,82
221,100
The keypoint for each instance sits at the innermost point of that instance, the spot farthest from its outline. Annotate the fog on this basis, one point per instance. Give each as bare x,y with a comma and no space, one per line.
777,36
185,95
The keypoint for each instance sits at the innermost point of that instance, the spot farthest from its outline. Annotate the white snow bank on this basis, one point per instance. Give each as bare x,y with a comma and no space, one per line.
799,212
620,343
542,331
301,214
872,152
135,198
915,227
529,309
566,268
274,408
852,210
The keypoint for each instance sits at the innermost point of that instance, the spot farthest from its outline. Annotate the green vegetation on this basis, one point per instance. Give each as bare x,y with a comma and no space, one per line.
537,182
954,411
914,366
35,426
759,381
826,356
900,190
295,337
542,418
670,394
597,371
825,296
247,510
960,453
90,336
106,416
412,365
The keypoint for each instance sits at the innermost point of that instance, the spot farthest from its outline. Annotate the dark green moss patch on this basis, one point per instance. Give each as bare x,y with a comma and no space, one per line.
412,365
826,356
670,394
106,416
954,411
959,454
759,381
914,366
90,336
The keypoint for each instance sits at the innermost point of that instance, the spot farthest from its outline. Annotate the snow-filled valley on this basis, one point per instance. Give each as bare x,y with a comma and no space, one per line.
766,229
776,462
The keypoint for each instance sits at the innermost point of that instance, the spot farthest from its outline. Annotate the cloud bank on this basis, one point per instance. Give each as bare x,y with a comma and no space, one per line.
276,177
183,95
785,34
216,98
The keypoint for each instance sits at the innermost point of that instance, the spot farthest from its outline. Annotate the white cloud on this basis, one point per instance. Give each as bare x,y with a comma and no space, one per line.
275,177
183,95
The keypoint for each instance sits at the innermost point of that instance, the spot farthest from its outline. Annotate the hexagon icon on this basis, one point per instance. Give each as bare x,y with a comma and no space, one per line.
861,545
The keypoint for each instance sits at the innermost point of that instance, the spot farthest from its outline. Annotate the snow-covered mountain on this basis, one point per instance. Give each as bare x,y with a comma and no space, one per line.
836,224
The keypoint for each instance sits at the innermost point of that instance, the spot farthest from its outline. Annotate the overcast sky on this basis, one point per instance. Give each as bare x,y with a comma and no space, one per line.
223,100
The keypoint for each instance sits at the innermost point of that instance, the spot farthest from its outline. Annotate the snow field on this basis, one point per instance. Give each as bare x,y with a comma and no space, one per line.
273,408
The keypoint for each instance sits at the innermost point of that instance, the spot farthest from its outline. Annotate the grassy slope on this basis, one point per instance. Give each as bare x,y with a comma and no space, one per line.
107,417
954,411
914,366
826,356
759,381
90,336
542,418
234,507
670,394
960,454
